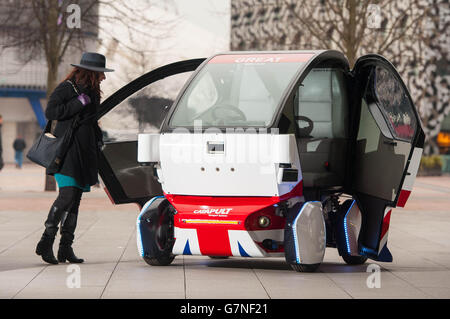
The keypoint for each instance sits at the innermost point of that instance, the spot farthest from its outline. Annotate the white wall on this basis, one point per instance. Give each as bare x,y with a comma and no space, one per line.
18,117
181,30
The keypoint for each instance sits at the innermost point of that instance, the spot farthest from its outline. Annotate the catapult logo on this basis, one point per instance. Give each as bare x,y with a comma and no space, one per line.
213,211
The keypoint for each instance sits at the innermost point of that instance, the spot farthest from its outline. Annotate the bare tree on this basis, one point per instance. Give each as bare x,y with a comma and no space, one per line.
357,27
38,29
50,29
413,34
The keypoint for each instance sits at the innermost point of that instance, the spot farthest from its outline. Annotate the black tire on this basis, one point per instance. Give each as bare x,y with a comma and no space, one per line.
305,268
218,257
160,261
158,231
354,260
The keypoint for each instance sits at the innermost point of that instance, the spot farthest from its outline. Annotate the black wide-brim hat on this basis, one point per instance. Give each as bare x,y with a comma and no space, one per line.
93,61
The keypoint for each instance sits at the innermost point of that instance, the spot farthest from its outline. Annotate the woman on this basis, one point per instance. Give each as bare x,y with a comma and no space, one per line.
78,96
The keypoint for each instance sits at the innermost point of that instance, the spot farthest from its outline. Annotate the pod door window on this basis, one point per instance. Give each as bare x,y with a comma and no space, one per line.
321,113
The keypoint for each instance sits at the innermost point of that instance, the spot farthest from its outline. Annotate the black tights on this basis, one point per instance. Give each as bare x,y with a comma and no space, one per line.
64,211
69,199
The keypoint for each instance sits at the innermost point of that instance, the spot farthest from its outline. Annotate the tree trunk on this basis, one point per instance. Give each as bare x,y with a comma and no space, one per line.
52,76
52,55
350,43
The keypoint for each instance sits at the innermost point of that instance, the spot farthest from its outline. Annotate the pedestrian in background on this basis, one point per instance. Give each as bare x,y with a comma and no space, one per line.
19,145
78,95
1,149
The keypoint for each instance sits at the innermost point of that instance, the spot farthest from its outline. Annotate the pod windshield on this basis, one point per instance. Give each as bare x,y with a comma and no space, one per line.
237,90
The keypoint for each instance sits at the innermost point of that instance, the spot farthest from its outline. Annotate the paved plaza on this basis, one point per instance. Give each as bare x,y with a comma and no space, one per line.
419,239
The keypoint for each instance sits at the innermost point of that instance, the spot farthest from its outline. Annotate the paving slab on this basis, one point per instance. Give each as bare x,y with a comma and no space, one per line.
221,279
419,239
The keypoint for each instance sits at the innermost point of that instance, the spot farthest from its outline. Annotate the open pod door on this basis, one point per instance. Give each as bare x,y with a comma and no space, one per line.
388,143
138,107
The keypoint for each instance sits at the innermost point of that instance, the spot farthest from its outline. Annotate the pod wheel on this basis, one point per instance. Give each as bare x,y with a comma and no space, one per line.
304,267
160,260
218,257
354,260
157,234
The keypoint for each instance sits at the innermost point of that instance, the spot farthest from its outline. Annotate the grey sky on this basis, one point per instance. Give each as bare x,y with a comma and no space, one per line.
207,14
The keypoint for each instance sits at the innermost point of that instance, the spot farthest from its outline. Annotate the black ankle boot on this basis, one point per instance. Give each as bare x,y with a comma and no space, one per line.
65,252
44,247
45,250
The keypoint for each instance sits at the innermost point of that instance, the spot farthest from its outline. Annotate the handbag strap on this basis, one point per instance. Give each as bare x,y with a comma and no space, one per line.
55,122
76,122
74,87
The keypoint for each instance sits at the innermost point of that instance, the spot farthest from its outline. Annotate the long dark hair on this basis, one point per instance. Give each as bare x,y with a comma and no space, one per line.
87,78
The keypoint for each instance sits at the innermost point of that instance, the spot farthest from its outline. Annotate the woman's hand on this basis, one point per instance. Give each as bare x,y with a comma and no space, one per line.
84,99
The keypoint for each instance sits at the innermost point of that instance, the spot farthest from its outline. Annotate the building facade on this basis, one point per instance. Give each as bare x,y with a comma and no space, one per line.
419,50
23,84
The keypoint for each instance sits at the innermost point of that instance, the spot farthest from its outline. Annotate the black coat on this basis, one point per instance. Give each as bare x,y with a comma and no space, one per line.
81,160
19,144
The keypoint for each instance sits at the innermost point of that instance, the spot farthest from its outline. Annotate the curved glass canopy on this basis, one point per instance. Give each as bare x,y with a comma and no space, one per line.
237,90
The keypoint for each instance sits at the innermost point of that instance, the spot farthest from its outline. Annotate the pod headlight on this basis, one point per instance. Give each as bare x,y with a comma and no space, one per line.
263,221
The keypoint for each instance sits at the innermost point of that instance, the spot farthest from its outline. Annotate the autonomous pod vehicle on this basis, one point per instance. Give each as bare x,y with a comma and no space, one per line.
270,154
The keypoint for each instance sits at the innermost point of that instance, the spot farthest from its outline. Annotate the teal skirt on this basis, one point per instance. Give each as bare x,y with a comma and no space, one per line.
66,181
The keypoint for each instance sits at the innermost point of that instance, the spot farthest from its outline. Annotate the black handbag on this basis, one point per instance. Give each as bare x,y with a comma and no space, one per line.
48,150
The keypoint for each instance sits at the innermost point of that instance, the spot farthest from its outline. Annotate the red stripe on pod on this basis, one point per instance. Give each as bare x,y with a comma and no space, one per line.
214,216
385,226
296,191
276,222
214,241
403,198
109,195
